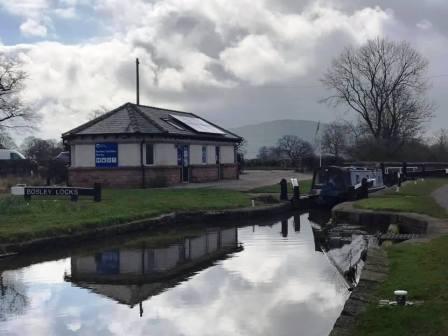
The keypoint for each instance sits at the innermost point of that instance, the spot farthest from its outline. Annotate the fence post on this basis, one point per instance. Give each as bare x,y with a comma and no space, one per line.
97,192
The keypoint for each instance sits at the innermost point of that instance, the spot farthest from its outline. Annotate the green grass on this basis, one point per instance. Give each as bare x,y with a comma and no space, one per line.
305,187
422,270
411,198
20,220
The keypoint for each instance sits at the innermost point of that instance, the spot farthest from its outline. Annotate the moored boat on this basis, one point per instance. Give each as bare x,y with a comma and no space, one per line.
336,184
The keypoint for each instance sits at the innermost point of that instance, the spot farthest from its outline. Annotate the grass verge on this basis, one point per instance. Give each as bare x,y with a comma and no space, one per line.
422,270
411,198
305,187
20,220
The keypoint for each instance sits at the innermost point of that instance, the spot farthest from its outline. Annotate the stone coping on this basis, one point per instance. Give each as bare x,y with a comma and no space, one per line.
376,269
408,222
172,219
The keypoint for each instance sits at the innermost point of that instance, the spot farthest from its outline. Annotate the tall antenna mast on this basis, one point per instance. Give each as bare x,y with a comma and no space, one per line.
138,80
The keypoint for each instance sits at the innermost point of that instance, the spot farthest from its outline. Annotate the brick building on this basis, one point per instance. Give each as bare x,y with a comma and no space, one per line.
135,146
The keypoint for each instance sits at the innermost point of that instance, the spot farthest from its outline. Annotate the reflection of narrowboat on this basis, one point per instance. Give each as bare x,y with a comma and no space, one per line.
337,184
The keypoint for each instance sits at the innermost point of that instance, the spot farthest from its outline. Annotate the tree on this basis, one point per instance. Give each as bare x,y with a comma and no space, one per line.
384,83
13,112
295,148
439,146
6,141
335,138
41,150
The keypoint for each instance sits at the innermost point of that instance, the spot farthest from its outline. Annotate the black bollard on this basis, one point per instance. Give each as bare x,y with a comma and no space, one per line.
97,192
404,167
283,190
364,188
296,193
297,223
284,228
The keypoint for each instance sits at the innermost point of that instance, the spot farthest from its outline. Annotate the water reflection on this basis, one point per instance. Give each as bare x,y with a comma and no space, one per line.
134,273
266,279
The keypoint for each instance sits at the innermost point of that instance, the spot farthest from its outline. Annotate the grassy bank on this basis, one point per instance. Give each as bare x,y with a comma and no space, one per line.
305,187
411,198
20,220
422,270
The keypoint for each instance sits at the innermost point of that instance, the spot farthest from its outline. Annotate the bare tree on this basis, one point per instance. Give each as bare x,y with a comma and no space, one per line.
13,112
295,148
336,138
384,83
6,141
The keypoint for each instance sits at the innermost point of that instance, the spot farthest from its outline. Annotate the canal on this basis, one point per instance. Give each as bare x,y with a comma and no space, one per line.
272,278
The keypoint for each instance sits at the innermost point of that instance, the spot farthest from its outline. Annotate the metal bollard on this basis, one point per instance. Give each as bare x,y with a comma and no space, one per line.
283,190
400,297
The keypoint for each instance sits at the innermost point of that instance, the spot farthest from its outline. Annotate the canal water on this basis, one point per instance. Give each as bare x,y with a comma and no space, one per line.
266,279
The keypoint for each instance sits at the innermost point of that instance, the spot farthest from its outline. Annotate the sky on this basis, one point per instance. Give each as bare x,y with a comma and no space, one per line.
235,62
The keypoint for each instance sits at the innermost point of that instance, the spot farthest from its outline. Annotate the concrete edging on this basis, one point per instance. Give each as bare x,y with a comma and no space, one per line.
171,219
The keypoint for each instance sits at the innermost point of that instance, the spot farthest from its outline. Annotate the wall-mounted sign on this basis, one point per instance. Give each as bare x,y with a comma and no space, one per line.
106,155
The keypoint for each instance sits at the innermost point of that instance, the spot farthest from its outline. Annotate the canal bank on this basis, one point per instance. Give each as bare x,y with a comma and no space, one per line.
172,219
417,265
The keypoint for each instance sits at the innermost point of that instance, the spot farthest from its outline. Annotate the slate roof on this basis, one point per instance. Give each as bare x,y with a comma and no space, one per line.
134,119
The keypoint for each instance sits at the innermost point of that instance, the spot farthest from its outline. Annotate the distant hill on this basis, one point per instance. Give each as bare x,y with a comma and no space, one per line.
267,133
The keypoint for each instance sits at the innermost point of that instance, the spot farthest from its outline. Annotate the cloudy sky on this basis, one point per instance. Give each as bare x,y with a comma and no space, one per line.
235,62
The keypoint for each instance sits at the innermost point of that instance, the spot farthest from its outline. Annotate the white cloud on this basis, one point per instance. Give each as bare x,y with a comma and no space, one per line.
33,28
194,55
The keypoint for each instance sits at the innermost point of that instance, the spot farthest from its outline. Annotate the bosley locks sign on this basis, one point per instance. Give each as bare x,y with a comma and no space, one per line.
106,155
50,191
71,192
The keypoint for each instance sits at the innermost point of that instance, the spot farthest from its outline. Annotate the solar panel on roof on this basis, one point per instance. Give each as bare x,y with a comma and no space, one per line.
198,125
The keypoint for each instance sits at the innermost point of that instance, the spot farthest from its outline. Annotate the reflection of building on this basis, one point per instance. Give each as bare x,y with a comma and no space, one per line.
131,275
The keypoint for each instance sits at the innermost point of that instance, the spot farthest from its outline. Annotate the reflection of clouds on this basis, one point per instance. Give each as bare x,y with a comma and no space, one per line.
275,286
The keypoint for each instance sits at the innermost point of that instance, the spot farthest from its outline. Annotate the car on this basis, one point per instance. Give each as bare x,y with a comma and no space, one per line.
11,154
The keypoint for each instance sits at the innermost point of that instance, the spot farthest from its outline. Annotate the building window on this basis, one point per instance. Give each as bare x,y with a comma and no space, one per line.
149,154
204,154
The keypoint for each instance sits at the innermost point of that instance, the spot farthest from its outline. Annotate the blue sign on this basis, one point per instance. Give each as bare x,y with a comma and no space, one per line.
106,155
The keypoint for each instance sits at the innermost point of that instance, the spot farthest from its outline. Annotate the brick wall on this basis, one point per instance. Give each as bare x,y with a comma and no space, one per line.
229,171
162,176
124,177
204,173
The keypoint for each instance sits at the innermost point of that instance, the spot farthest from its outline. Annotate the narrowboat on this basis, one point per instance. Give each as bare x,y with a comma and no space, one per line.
336,184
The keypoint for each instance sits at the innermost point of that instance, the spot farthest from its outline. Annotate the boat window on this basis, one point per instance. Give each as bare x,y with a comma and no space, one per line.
357,179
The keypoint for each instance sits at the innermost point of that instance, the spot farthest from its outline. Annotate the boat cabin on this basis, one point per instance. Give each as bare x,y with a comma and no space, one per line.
336,183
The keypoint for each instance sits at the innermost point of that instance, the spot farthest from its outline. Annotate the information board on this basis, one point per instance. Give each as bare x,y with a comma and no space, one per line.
106,155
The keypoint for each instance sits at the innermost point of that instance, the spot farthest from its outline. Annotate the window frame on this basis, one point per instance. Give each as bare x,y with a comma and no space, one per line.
152,152
204,154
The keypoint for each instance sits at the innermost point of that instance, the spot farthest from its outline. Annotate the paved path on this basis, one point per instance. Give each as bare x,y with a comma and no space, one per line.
250,179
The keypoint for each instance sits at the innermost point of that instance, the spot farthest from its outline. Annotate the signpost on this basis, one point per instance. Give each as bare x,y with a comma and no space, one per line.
72,192
106,155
